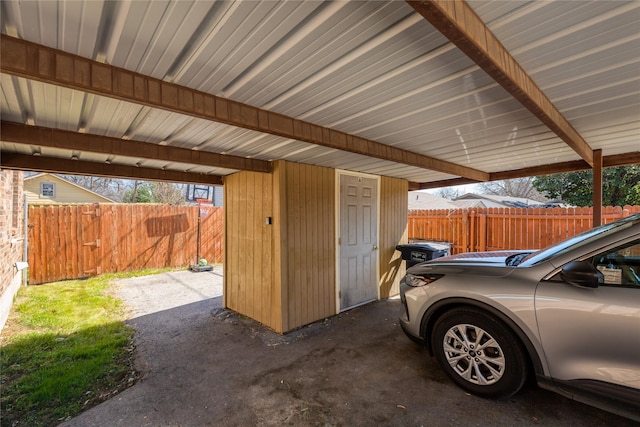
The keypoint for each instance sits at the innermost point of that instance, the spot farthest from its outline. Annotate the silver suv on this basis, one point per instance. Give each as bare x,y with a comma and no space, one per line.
568,314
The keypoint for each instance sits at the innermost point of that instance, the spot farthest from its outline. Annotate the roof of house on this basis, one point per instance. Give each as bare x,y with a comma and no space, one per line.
496,201
419,200
476,203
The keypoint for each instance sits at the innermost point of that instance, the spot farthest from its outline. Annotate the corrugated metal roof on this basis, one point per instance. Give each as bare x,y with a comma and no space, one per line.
374,69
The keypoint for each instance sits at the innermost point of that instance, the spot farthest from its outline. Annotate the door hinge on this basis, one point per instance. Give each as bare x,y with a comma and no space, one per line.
339,241
97,271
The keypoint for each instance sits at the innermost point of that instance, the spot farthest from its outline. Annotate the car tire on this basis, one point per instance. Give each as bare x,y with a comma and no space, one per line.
479,353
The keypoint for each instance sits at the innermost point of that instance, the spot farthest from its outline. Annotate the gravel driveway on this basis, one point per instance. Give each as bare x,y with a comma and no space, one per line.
151,294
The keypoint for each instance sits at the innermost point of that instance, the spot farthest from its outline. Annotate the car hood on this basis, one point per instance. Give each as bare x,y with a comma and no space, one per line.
485,263
493,257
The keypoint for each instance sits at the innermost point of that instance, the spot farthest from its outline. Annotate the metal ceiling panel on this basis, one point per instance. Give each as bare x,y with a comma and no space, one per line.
585,56
375,69
12,106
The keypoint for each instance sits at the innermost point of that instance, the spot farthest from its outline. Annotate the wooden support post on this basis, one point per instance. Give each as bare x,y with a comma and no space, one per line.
597,188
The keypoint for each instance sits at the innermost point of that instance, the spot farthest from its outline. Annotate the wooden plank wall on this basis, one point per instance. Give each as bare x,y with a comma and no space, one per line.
73,241
250,288
308,251
393,231
488,229
283,274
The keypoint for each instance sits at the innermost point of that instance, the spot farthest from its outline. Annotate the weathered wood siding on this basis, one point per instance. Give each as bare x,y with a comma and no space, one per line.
307,194
393,231
281,274
250,288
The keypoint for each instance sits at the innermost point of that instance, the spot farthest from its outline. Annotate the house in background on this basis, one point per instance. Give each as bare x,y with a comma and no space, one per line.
46,189
493,201
421,200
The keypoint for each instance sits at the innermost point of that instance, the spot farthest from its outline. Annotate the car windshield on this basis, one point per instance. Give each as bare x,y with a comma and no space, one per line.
579,240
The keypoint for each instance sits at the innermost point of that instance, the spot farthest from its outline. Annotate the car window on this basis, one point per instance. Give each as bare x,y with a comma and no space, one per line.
580,240
620,266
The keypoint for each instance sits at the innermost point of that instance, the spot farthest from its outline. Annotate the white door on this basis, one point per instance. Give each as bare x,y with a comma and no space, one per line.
358,240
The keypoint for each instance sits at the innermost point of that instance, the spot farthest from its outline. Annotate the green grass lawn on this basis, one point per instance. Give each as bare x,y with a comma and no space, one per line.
64,349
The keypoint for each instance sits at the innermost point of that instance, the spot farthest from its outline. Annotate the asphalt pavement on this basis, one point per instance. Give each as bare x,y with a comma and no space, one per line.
202,365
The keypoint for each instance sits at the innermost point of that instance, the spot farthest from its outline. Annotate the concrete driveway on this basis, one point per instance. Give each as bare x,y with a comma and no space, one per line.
202,365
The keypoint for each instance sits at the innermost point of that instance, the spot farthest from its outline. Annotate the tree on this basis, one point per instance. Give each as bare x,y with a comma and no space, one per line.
620,186
167,192
141,193
155,192
450,193
518,187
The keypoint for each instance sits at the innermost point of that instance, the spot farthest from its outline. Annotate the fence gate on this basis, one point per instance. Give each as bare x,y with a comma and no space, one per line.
82,240
90,239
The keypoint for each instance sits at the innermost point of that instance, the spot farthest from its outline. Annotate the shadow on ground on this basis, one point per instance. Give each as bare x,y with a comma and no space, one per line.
203,365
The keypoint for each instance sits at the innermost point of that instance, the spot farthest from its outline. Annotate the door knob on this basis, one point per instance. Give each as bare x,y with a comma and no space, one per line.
375,248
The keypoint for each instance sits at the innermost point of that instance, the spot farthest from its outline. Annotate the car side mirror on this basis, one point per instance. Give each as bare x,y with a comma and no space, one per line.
581,273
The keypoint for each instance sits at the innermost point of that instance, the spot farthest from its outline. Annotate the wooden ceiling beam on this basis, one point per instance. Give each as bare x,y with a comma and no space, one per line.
414,186
80,167
457,21
445,183
41,63
625,159
573,166
55,138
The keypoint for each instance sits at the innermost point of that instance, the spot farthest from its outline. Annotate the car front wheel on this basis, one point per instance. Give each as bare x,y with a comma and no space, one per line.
479,353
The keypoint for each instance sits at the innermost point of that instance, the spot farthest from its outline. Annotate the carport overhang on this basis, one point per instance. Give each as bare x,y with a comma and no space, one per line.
177,115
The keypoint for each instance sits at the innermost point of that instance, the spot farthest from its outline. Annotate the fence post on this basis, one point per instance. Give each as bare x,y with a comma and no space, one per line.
472,230
465,230
482,232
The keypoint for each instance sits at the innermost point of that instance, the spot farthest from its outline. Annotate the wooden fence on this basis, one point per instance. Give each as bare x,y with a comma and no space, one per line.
488,229
74,241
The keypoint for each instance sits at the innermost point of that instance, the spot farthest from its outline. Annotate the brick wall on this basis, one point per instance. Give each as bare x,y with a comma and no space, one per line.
11,237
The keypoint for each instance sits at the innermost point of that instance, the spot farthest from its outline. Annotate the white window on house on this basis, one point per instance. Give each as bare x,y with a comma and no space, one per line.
47,189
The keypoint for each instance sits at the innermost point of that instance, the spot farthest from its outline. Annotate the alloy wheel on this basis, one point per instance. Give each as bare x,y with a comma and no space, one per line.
474,354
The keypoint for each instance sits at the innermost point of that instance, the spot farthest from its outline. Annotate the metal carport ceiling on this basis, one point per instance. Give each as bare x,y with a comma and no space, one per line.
368,86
